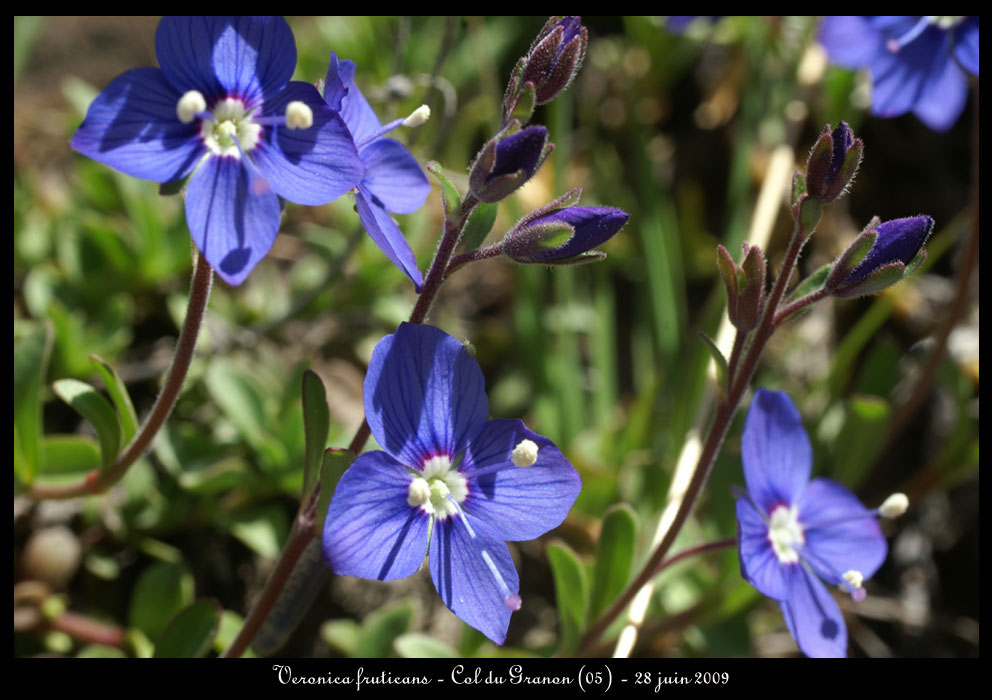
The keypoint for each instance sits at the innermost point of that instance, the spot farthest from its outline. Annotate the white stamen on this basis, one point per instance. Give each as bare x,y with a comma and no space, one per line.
446,487
894,506
420,494
438,465
855,578
418,116
189,105
233,129
525,453
784,531
298,116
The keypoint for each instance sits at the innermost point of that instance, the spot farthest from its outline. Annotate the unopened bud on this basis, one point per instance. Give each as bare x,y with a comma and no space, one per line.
833,163
882,255
508,161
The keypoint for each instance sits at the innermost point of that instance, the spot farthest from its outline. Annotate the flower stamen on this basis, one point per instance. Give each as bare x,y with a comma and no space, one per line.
414,119
784,533
894,506
525,453
510,599
190,106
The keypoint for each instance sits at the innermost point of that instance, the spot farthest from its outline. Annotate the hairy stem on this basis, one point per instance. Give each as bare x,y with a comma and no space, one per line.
97,482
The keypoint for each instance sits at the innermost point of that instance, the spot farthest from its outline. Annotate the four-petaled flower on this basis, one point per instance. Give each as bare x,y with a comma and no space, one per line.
448,478
223,109
917,64
795,533
393,181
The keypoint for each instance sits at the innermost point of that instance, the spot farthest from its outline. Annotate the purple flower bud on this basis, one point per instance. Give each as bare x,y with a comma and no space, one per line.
745,285
833,162
562,235
555,57
507,162
894,245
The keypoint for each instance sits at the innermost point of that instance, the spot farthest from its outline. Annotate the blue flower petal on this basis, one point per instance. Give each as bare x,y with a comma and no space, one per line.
812,616
342,94
775,450
371,531
759,565
424,394
388,236
308,166
246,57
394,177
900,78
232,218
519,503
850,538
943,96
132,127
464,580
850,41
966,45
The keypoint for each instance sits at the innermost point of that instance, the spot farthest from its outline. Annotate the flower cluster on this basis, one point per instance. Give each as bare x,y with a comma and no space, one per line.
796,534
448,484
221,110
917,64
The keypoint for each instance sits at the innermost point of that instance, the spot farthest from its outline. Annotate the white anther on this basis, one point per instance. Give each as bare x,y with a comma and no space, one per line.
525,453
855,578
894,506
419,493
189,105
418,116
298,116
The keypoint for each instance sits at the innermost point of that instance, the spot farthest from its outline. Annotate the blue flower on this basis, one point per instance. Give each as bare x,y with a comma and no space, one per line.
393,182
917,64
449,483
796,534
222,107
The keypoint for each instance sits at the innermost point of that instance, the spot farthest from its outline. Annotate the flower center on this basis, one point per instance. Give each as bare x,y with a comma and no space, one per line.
784,532
434,484
232,125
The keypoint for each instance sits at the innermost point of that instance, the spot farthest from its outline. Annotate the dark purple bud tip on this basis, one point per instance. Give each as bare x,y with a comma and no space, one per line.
897,243
562,234
507,162
555,57
833,163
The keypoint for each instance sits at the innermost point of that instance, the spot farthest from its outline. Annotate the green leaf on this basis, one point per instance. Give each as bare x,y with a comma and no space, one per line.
614,557
336,461
422,646
865,427
316,425
450,197
571,593
91,405
262,529
381,628
341,635
162,590
480,223
243,404
230,624
69,456
190,634
718,358
100,651
811,283
31,355
120,397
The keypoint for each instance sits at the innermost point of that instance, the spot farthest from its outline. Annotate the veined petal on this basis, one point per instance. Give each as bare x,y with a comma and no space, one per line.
943,97
966,44
759,565
132,127
394,177
388,236
850,537
775,450
340,89
850,41
371,530
424,394
246,57
308,166
233,220
899,79
813,617
465,581
519,503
